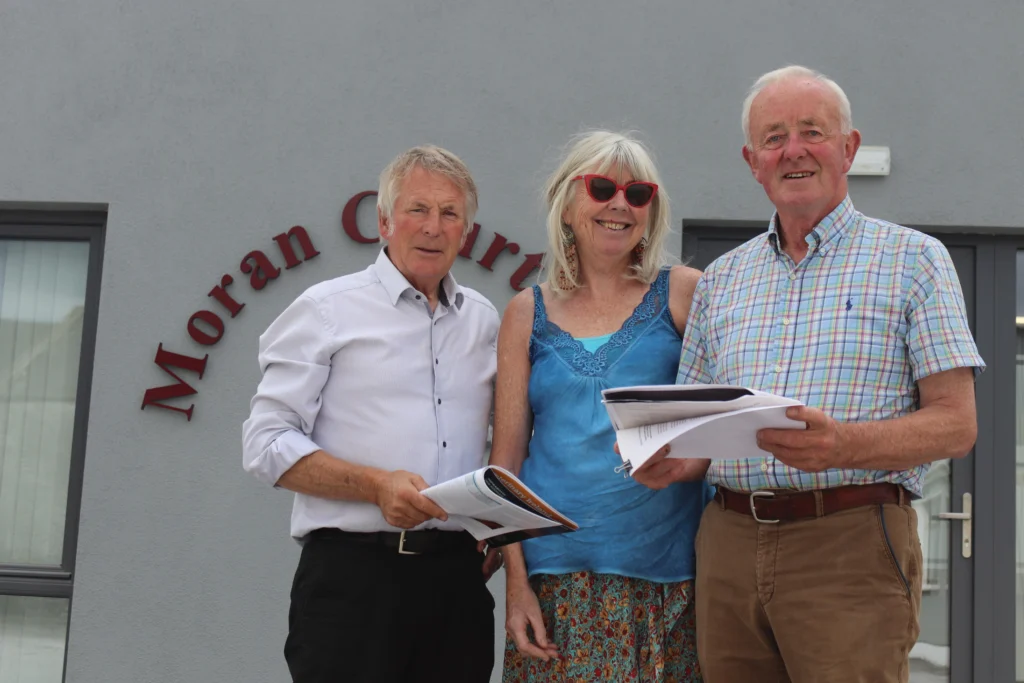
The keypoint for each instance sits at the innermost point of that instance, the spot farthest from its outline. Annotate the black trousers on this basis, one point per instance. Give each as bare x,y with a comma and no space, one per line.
363,613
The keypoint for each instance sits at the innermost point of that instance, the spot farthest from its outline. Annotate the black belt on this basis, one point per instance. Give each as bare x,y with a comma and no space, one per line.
425,542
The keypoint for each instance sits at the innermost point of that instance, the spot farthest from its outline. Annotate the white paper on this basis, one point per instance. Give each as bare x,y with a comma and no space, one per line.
720,436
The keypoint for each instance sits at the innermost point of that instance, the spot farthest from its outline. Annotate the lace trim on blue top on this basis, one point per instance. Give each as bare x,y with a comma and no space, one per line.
572,351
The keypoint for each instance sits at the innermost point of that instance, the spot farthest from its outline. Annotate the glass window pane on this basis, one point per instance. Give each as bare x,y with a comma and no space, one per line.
42,297
33,632
929,658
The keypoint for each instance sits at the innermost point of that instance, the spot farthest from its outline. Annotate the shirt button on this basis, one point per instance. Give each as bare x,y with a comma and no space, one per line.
764,467
438,401
436,361
444,444
785,321
778,368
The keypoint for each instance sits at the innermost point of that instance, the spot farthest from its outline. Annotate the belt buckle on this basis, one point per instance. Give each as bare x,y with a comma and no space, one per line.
401,545
753,508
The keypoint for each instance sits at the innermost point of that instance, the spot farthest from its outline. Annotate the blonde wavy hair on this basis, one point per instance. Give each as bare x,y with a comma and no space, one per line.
597,152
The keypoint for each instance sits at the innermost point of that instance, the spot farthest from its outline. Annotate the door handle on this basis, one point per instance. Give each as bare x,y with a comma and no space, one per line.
966,517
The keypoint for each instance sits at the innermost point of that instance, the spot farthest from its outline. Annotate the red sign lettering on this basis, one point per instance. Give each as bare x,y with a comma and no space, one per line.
299,233
348,218
166,360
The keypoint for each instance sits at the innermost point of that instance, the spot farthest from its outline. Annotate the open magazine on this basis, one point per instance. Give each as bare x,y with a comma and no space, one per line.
493,505
714,421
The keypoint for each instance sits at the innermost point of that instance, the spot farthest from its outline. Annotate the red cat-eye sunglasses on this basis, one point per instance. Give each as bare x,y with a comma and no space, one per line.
638,193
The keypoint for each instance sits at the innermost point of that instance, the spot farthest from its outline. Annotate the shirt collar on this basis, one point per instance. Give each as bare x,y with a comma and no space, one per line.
829,229
396,285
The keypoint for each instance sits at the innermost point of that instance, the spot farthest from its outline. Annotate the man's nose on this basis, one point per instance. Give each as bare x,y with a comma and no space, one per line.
432,223
794,147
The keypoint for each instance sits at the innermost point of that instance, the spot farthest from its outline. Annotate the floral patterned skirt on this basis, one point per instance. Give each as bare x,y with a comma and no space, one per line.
611,628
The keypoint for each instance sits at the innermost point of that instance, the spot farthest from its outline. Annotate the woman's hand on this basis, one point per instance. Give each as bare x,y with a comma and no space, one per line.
661,471
522,610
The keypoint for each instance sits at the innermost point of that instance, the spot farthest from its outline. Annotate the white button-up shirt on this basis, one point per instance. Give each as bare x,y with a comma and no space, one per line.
360,368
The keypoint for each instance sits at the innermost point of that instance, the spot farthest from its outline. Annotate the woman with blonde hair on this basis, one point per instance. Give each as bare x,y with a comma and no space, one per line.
614,600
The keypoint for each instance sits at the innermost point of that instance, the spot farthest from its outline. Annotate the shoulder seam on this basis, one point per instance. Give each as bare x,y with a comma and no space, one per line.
476,297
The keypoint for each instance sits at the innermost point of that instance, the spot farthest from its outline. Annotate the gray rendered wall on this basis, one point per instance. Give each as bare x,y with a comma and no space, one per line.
209,126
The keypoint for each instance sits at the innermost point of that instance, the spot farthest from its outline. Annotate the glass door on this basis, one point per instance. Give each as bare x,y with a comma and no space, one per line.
1019,472
945,519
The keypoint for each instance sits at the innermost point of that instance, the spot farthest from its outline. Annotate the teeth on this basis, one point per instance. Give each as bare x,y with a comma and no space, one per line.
613,226
799,175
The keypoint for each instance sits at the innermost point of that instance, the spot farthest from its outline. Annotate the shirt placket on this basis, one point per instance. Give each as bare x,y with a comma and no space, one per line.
783,328
437,330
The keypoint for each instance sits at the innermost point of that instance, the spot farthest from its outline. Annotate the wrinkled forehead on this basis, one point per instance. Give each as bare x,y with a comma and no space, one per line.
424,185
793,101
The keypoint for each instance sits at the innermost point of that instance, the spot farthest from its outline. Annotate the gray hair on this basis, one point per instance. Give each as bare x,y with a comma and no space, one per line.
598,151
435,160
796,71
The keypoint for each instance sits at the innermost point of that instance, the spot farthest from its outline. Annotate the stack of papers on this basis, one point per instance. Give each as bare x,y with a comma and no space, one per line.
712,421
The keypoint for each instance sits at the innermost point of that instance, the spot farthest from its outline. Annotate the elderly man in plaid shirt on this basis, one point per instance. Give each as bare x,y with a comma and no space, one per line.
808,559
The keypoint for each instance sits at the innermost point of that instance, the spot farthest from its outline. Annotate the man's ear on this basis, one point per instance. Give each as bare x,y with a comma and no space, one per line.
850,149
751,160
383,226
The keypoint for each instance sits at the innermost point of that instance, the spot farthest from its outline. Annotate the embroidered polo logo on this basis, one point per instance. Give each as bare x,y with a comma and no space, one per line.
849,303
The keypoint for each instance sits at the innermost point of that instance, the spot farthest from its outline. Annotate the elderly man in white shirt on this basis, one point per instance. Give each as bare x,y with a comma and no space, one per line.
375,386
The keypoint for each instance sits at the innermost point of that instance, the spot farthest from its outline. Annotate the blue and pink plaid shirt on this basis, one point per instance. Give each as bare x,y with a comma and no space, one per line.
872,308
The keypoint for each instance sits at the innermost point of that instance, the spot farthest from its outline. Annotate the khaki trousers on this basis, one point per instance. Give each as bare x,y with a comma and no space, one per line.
834,599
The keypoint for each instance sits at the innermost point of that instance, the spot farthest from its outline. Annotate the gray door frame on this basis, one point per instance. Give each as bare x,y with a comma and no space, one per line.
982,589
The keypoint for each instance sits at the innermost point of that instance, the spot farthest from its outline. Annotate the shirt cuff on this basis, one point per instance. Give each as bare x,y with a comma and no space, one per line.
287,449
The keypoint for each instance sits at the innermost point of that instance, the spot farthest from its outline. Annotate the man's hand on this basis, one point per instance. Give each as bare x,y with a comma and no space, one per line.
492,562
660,470
398,497
814,449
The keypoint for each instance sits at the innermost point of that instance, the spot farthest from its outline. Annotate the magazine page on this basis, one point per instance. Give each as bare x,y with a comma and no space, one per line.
495,509
497,535
518,492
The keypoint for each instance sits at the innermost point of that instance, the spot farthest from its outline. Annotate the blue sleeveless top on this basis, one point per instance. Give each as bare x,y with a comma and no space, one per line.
625,528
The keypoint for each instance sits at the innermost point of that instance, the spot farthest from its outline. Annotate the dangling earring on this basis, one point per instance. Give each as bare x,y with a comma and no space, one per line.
571,259
638,252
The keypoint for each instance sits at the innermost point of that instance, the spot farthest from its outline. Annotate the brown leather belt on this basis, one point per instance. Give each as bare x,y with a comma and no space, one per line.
774,506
